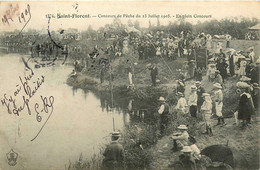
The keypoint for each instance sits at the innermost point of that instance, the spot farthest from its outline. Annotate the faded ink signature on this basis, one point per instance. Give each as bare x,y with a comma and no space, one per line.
29,88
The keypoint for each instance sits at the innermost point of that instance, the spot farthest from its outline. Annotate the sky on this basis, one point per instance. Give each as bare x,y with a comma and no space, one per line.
39,10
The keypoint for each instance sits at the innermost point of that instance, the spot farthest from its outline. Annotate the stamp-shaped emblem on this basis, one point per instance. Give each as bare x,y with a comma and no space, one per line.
12,157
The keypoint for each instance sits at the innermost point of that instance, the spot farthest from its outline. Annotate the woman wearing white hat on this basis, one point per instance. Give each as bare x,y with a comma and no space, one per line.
206,110
218,98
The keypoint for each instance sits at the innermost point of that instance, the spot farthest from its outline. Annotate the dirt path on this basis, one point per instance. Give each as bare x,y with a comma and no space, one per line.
244,140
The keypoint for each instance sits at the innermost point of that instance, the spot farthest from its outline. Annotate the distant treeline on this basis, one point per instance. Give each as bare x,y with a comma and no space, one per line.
236,27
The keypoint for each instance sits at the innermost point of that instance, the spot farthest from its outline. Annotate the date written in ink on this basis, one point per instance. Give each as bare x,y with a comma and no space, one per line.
22,17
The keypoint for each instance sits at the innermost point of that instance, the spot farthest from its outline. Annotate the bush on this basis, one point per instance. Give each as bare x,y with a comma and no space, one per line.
174,121
136,140
95,162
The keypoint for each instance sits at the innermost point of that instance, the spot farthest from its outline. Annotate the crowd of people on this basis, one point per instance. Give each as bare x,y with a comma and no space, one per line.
222,63
244,68
200,106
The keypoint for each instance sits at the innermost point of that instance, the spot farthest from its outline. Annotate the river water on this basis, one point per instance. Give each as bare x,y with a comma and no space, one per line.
80,123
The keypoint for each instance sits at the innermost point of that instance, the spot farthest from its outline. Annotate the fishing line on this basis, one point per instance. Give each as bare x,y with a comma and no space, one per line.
162,58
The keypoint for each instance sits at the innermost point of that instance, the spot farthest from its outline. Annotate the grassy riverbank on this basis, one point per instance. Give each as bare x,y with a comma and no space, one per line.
156,151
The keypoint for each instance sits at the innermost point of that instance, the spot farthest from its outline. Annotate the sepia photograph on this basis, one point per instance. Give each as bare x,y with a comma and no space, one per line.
129,85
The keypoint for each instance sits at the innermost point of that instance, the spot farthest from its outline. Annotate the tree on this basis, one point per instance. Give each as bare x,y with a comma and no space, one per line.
129,23
150,24
158,22
137,24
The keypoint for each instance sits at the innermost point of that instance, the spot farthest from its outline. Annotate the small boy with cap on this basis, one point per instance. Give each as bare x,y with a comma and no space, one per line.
206,110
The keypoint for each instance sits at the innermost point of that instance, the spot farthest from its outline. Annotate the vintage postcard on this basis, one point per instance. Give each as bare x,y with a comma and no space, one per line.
129,85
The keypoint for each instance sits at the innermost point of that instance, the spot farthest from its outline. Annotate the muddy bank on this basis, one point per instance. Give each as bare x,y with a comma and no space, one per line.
145,92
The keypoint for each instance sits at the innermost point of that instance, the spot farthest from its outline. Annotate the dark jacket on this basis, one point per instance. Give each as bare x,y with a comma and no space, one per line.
200,100
114,156
244,107
154,71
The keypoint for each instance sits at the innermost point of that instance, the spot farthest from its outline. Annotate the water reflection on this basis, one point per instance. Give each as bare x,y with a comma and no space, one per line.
81,122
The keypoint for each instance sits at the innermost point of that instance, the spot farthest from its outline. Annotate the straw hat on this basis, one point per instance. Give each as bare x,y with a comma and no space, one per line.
242,85
180,82
205,94
231,50
149,65
162,99
251,48
217,85
179,93
255,85
240,52
193,87
186,149
116,134
258,61
211,59
198,82
245,78
183,127
212,65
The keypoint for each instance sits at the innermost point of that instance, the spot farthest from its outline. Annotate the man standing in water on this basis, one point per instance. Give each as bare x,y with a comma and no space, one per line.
114,154
164,114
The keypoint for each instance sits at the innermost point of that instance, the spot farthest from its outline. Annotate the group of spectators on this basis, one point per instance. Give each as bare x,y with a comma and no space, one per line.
199,103
242,66
157,43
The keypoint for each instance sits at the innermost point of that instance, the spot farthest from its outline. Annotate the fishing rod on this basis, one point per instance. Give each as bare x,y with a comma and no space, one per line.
111,93
162,58
140,71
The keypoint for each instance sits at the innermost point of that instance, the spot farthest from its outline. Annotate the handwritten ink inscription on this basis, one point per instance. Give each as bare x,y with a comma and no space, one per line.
24,92
13,13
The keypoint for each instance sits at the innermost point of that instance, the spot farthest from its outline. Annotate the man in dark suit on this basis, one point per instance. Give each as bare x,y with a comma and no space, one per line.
114,154
200,99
